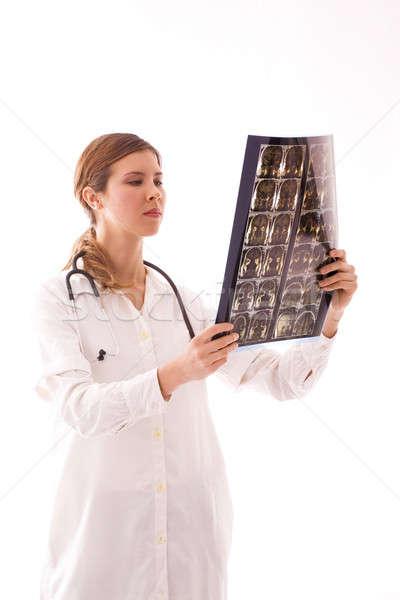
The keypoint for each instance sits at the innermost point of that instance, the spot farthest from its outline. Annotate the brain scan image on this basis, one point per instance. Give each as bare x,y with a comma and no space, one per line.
329,195
258,326
304,323
257,230
327,229
264,196
320,257
271,161
293,166
284,323
313,194
312,292
284,227
251,263
328,163
308,227
266,295
287,196
273,262
292,293
319,160
280,229
301,258
240,323
244,296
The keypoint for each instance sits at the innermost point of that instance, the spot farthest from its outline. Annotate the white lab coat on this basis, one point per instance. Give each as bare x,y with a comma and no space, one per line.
142,508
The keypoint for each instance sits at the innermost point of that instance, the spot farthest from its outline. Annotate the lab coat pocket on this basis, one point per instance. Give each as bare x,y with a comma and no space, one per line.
97,335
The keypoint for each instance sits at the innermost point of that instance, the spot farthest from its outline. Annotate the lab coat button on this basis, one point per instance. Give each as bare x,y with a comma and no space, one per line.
160,487
144,334
157,434
161,539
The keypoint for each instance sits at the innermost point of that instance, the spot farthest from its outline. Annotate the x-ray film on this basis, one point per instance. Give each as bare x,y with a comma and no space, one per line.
284,226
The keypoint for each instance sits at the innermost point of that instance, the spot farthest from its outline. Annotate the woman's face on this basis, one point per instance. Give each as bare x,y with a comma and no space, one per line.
134,187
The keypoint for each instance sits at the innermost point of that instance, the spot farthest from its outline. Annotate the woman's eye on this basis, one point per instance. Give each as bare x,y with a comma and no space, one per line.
139,182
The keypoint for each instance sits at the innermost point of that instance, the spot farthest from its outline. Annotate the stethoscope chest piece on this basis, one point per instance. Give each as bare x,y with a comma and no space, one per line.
101,354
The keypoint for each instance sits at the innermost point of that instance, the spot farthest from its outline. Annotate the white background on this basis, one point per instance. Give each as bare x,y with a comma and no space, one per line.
315,482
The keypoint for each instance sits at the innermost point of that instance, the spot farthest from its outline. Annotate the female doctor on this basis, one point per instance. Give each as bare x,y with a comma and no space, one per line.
143,509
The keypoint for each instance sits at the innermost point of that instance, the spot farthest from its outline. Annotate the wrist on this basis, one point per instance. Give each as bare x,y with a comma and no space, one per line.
331,323
335,315
169,378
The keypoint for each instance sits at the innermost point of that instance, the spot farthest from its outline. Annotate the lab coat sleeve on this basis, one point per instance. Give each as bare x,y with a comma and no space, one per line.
267,371
90,407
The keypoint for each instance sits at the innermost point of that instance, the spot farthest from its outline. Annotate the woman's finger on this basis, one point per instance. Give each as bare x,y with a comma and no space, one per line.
341,285
335,266
338,253
337,279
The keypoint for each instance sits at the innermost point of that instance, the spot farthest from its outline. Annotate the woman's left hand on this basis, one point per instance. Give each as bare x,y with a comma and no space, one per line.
344,282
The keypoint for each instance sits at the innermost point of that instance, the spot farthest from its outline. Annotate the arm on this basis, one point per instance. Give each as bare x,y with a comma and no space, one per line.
90,407
291,374
330,326
284,376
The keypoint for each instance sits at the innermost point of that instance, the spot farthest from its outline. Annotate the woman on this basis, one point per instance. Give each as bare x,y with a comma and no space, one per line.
143,508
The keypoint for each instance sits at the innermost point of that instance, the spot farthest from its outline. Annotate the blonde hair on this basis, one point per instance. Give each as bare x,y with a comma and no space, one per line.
93,169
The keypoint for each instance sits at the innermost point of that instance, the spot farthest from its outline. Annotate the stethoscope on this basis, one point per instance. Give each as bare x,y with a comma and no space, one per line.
75,270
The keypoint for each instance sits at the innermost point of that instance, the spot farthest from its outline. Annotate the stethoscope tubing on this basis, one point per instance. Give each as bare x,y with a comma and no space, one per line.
75,270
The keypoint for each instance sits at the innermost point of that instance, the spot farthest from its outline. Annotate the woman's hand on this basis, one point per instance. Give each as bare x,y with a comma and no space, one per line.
344,282
203,356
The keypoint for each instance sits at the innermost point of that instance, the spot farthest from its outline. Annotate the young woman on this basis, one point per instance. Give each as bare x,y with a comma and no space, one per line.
143,508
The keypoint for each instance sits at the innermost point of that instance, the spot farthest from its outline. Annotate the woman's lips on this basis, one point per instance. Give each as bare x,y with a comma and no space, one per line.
153,214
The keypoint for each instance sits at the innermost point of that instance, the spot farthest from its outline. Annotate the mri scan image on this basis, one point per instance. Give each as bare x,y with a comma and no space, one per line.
285,224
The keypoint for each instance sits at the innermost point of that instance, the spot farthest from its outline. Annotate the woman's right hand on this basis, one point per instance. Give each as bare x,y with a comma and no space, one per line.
204,356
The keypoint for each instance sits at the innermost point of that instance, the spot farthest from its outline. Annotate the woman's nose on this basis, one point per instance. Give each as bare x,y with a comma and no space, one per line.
154,192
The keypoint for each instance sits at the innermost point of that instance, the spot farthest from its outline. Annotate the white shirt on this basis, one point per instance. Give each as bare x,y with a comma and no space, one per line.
143,509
